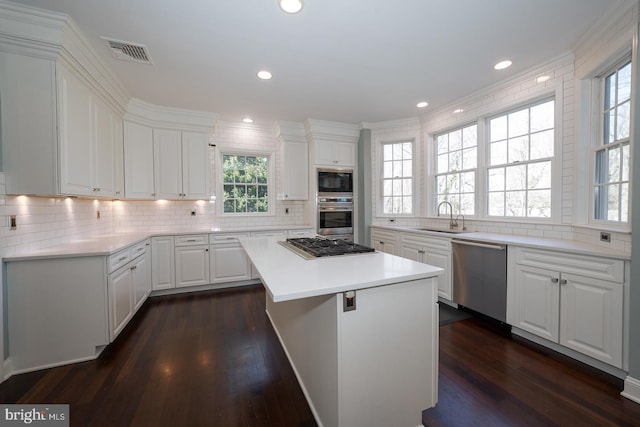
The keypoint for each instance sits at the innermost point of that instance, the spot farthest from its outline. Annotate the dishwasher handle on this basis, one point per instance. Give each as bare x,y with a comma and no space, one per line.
495,246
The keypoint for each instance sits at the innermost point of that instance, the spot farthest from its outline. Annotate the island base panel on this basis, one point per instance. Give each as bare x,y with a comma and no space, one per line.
374,366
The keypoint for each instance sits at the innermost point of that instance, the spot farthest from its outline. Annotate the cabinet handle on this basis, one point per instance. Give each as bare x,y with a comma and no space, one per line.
563,281
191,240
554,280
382,243
122,258
206,250
421,252
139,249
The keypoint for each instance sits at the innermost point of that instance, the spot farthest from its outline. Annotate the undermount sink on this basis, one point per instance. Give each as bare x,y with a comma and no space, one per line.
440,230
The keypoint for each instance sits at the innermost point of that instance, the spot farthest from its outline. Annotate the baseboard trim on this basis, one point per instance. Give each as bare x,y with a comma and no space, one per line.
631,389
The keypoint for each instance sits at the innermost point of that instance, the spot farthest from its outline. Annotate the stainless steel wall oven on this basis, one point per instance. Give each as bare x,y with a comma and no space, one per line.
335,217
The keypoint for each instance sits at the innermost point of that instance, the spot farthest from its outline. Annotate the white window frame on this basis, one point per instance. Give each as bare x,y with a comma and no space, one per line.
597,125
271,182
556,162
381,179
477,170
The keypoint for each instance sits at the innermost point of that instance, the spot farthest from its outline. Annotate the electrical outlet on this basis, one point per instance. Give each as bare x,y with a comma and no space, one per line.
97,214
605,237
12,222
391,220
286,211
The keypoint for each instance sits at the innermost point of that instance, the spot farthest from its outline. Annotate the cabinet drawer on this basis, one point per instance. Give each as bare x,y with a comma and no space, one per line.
428,242
303,232
227,238
282,233
192,239
139,249
383,235
119,259
583,265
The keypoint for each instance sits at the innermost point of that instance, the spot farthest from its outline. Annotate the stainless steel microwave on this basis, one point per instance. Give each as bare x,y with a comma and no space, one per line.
334,182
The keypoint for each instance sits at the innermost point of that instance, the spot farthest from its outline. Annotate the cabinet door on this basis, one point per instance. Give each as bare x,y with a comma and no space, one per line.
195,166
103,182
163,263
383,241
411,252
138,161
118,162
537,301
167,163
295,171
442,260
192,266
591,317
120,300
344,153
141,280
76,119
229,263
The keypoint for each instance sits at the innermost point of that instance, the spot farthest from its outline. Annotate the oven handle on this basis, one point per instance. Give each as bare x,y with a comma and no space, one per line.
334,208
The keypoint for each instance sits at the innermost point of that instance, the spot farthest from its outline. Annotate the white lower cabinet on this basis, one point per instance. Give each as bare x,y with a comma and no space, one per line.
573,300
192,260
433,251
128,285
163,271
384,240
229,262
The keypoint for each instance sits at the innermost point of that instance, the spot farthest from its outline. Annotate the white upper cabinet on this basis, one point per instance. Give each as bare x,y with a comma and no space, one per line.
334,153
181,164
294,171
138,161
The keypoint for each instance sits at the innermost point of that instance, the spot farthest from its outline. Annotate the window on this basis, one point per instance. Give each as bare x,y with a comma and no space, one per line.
397,178
612,153
521,151
457,160
245,184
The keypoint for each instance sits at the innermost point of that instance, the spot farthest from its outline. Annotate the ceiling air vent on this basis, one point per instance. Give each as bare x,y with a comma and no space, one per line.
127,51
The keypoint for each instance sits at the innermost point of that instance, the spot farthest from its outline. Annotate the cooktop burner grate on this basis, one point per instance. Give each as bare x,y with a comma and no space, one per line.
319,247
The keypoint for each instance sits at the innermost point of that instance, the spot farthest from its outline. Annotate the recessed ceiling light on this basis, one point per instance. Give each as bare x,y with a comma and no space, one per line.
247,120
458,110
264,75
543,79
502,65
291,6
422,104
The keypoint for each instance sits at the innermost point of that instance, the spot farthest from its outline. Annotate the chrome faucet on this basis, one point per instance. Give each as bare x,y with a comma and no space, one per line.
463,227
452,222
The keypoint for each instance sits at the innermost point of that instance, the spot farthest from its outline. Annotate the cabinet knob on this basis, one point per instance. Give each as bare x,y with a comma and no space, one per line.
563,281
554,280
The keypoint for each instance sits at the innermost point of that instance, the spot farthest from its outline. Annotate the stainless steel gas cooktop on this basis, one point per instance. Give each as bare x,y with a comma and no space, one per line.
315,247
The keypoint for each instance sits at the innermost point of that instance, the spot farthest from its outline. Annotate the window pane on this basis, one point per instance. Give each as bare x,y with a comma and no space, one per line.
388,152
496,179
468,182
387,170
397,168
455,160
441,184
614,165
515,203
601,167
518,123
407,168
542,145
469,158
516,177
624,83
626,161
387,204
613,201
498,128
454,183
407,187
542,116
609,91
443,143
518,149
397,151
539,175
539,204
467,204
623,121
397,205
608,128
496,204
443,163
470,136
407,205
397,187
388,187
624,202
455,140
498,153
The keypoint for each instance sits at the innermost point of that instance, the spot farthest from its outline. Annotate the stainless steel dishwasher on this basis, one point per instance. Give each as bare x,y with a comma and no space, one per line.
480,277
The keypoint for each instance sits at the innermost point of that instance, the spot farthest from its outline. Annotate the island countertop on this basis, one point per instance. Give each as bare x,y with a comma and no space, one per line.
288,276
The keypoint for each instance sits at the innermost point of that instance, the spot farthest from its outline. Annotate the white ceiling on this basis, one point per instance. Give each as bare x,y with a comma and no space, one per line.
349,61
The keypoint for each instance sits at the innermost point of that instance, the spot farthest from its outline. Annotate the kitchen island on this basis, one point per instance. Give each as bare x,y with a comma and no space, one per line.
370,361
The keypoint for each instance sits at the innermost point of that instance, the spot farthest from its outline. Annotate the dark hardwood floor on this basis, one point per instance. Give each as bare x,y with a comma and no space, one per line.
212,359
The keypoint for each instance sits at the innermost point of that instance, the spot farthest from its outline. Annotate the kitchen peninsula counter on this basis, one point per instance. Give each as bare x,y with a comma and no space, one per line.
375,365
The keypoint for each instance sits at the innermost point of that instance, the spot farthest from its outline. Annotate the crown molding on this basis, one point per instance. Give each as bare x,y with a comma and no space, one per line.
409,122
289,131
169,117
317,130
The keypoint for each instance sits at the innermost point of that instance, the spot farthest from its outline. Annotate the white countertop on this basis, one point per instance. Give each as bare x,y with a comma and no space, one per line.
107,244
288,276
522,241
